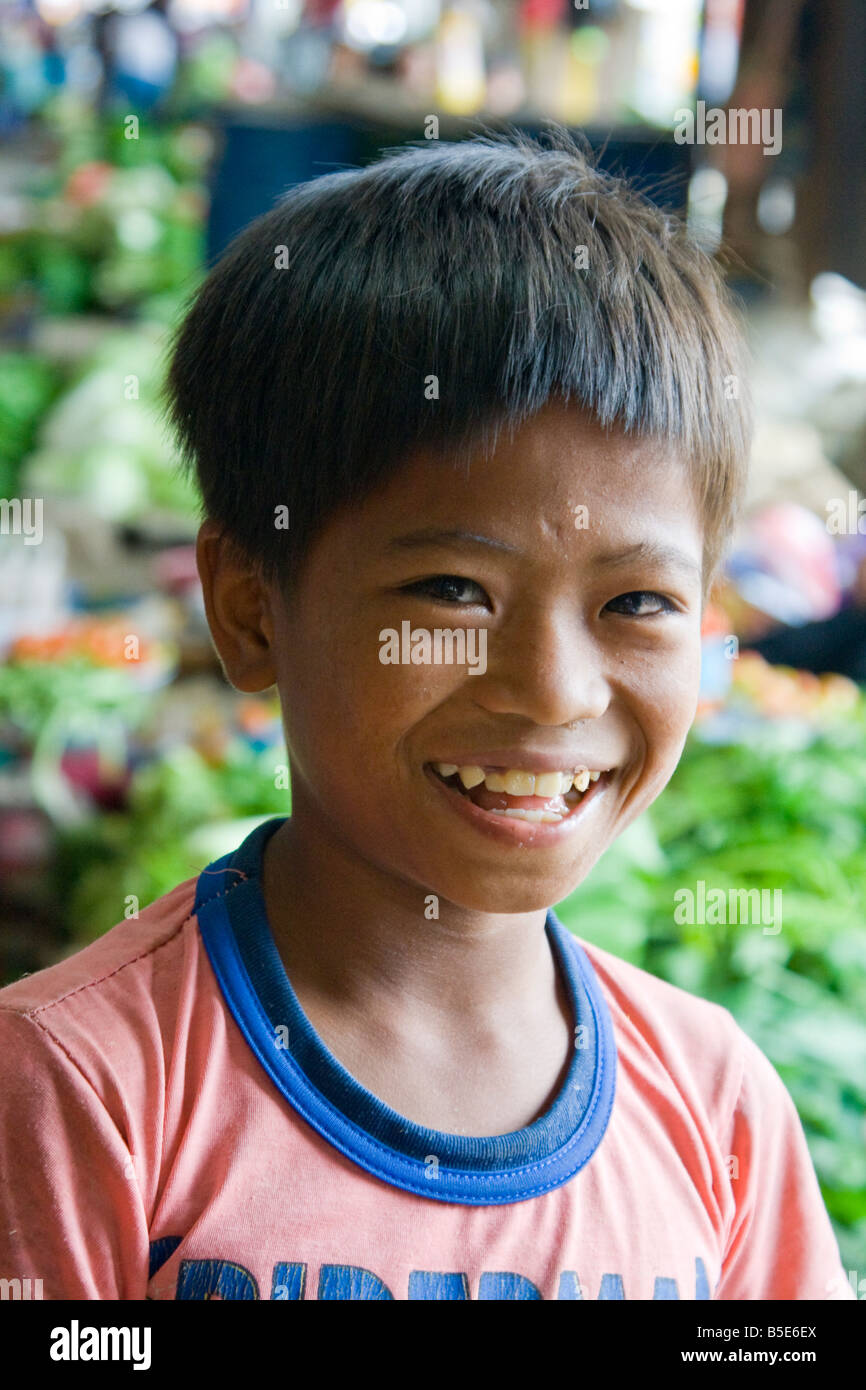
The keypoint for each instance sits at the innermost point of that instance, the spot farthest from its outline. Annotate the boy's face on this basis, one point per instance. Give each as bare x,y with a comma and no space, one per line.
592,660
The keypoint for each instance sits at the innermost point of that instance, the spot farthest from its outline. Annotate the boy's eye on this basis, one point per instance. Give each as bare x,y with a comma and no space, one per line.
637,598
449,588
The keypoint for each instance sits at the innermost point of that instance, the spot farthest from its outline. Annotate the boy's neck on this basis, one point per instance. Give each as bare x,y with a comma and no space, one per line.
349,929
418,1009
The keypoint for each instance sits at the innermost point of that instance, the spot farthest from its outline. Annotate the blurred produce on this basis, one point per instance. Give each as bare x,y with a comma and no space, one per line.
181,812
28,383
780,690
104,442
69,703
112,225
113,221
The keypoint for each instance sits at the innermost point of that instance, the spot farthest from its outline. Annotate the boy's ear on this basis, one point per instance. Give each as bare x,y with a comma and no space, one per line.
238,612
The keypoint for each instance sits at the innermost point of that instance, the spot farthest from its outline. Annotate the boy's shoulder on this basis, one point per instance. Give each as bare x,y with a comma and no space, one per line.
123,961
637,992
694,1040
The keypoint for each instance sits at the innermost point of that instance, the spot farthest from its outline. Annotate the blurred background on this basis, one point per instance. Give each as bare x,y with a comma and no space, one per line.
137,138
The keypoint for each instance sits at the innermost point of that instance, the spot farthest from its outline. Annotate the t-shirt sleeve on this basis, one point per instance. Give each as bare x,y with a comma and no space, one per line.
781,1244
71,1211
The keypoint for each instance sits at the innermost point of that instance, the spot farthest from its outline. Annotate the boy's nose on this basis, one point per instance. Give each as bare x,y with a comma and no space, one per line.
549,670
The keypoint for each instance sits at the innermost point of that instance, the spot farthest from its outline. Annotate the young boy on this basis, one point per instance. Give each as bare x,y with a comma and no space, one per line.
470,428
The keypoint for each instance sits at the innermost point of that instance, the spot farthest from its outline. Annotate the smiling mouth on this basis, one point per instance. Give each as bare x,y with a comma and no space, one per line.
518,794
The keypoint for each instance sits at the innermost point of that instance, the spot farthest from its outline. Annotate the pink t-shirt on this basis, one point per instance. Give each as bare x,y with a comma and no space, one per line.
172,1127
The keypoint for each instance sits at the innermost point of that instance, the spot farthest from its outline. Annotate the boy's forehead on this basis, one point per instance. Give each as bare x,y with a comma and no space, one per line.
558,472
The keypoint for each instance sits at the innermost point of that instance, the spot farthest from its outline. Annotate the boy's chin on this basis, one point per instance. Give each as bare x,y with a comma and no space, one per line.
498,894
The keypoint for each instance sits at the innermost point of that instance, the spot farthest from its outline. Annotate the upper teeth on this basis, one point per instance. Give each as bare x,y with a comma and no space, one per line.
516,782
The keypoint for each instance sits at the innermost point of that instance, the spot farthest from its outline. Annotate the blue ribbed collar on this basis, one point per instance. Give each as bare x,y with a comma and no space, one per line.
512,1167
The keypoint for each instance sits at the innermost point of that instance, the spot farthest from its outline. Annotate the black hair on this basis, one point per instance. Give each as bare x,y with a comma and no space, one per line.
430,298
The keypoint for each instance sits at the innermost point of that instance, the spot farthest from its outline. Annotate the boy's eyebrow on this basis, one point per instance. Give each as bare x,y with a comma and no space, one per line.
657,551
653,551
432,535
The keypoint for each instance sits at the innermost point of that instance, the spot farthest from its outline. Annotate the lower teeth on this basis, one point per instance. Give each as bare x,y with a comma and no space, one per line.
549,816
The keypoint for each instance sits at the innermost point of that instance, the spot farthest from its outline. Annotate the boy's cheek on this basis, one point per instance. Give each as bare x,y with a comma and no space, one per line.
663,707
387,701
668,684
361,719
